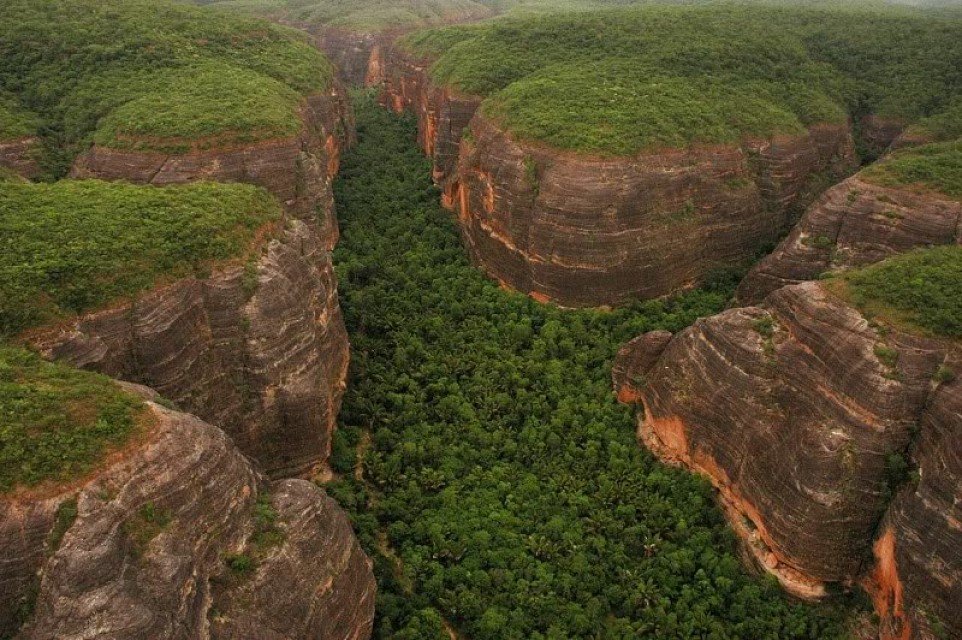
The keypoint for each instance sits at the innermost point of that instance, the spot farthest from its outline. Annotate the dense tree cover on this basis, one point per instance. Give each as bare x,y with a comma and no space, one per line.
79,244
57,422
586,81
74,62
922,289
484,460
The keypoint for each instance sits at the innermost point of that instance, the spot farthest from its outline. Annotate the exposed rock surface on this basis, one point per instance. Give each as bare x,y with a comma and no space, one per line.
585,231
20,156
356,55
853,224
297,170
259,350
795,410
146,550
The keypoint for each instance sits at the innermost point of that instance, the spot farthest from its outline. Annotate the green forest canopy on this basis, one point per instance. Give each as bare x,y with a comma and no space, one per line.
76,245
619,81
57,423
150,68
480,440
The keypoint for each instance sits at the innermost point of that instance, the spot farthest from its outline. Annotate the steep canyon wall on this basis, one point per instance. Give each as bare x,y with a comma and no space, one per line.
585,231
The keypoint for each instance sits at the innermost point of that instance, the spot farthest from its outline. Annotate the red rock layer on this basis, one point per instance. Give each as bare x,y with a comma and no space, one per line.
260,351
357,56
297,170
583,231
145,555
20,156
853,224
267,365
794,410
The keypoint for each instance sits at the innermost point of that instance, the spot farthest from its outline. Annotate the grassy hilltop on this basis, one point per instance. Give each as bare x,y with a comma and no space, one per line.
136,73
621,81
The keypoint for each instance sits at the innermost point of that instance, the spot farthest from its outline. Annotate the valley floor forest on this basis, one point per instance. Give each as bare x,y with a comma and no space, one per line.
484,460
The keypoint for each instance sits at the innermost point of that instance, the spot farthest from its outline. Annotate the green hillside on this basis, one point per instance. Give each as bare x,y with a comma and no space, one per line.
57,423
76,245
919,290
121,69
621,81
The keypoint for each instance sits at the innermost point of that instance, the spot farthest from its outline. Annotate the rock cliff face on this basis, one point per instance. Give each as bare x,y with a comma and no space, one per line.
853,224
259,349
795,410
584,231
357,56
20,156
297,170
148,546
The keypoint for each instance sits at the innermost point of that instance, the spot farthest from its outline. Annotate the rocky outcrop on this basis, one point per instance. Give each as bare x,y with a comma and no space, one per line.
583,231
853,224
800,412
20,156
297,170
586,231
917,579
146,546
258,349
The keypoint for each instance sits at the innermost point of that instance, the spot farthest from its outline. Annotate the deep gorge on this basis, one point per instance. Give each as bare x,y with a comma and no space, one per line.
480,443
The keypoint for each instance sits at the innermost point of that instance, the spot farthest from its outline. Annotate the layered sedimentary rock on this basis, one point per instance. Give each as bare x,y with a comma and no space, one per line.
442,114
357,56
585,231
258,349
20,156
297,170
142,547
795,410
853,224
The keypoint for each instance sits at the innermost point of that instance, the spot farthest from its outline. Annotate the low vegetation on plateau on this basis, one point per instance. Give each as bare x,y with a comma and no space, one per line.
483,457
362,15
15,122
56,422
140,73
919,290
620,81
77,245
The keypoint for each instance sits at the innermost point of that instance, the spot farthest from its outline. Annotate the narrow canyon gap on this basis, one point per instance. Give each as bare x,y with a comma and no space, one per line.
483,457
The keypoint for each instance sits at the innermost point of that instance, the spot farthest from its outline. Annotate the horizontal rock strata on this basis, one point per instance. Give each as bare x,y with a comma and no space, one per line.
584,231
357,56
261,349
149,542
297,170
258,349
853,224
20,156
795,410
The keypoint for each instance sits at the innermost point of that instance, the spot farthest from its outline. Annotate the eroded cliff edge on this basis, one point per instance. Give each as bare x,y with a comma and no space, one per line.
259,349
581,231
800,411
176,535
896,205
